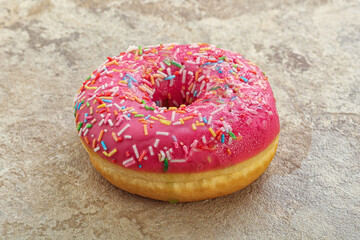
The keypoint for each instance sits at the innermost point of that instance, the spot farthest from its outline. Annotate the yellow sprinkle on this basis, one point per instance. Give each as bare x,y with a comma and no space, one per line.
91,111
134,112
193,127
94,101
166,122
105,153
172,108
102,105
154,118
145,130
160,116
106,98
205,49
189,53
87,87
212,132
112,152
181,120
114,136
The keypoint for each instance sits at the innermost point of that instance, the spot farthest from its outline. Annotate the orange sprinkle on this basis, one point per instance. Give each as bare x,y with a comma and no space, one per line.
115,112
191,85
160,116
145,130
188,118
100,135
137,99
228,151
169,95
142,88
181,111
77,117
196,76
94,143
142,155
152,79
87,140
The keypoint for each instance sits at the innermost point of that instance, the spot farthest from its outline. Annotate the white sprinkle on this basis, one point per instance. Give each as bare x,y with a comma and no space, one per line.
178,160
110,122
194,144
176,123
183,93
176,103
123,130
183,77
80,132
96,149
171,82
203,139
173,116
162,65
168,155
151,151
209,121
127,136
122,101
162,155
86,132
200,118
117,106
135,151
190,73
202,86
102,115
230,140
171,150
217,110
126,117
168,70
162,133
201,78
161,73
156,143
101,122
127,161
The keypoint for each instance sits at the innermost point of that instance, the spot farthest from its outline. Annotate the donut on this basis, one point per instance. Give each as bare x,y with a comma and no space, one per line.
178,123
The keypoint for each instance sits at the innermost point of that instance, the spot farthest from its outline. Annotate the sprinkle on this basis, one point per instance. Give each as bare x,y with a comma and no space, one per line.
217,110
210,118
140,51
100,135
151,151
112,152
103,145
156,143
177,160
168,155
176,64
127,136
228,151
205,120
135,150
165,122
162,133
96,149
181,120
126,162
173,116
162,155
169,77
174,138
193,127
102,105
166,165
142,155
79,126
145,130
188,118
244,79
212,132
123,130
131,77
139,115
222,138
114,136
203,139
232,135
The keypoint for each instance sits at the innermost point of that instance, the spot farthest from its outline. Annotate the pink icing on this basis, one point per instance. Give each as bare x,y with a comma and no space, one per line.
122,95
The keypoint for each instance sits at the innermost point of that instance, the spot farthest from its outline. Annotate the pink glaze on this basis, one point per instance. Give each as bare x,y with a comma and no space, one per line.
227,87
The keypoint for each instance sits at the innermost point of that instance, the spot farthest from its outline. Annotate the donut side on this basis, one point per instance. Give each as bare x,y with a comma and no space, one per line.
185,187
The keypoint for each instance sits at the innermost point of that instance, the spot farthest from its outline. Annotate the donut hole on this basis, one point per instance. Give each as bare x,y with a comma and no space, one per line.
175,93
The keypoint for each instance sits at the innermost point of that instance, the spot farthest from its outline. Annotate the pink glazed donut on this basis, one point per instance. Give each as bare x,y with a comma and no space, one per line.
178,122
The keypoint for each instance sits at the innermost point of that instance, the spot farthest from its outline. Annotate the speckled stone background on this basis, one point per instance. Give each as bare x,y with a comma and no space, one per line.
310,51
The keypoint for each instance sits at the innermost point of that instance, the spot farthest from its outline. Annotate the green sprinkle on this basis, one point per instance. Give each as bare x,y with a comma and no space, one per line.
213,88
166,165
139,115
140,51
167,62
146,107
176,64
151,108
87,104
143,101
173,201
82,101
232,134
79,125
88,125
88,77
235,65
222,58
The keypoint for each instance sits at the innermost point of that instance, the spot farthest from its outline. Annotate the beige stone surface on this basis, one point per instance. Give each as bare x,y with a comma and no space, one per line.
309,49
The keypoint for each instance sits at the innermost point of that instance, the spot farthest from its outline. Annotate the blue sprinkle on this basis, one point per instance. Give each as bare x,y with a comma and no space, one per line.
220,71
226,86
231,71
131,77
103,145
222,138
140,166
220,61
208,63
123,107
76,105
245,80
129,115
195,93
169,77
85,120
147,117
217,68
106,100
233,97
205,120
174,138
79,105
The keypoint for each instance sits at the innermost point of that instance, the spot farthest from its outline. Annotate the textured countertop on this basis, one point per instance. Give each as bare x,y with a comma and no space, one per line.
311,52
